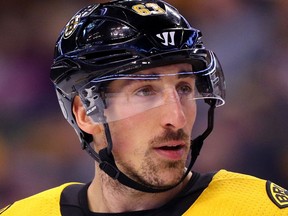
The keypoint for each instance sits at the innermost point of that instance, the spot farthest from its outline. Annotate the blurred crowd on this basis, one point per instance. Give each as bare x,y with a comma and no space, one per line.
39,150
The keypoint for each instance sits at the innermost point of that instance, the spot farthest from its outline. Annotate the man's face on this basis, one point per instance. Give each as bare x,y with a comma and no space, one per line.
151,139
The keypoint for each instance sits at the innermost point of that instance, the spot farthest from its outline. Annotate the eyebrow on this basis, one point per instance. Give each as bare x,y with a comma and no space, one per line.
155,75
125,82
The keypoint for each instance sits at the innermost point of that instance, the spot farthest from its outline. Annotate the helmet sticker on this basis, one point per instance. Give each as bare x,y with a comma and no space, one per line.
72,25
167,40
148,9
277,194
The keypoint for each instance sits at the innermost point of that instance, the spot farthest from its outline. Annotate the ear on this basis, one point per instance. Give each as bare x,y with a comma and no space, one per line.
84,122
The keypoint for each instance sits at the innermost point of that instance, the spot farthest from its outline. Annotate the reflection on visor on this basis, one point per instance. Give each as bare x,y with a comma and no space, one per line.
120,96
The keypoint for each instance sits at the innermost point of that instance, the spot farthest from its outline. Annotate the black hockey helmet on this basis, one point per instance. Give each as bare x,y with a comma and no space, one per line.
105,41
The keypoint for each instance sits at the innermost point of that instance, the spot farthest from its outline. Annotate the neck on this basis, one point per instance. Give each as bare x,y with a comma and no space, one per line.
108,195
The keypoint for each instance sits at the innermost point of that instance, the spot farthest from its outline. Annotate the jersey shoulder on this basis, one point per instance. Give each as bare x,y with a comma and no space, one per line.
231,193
42,204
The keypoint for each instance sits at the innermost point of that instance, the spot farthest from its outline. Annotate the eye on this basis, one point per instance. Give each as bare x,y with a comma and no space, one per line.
184,89
145,91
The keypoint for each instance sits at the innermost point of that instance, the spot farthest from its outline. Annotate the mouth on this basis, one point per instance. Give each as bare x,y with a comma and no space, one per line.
170,151
171,148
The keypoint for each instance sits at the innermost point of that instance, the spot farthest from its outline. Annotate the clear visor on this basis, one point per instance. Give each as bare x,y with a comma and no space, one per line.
120,96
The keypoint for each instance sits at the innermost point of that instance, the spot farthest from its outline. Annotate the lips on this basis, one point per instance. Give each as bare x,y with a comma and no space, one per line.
171,151
171,148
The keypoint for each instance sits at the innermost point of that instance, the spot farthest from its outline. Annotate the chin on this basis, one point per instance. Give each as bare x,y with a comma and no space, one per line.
170,176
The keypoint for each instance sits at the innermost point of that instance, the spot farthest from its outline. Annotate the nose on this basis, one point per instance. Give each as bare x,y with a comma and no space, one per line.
172,113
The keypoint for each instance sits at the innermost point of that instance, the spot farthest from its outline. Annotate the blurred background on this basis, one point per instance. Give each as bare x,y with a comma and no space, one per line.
39,150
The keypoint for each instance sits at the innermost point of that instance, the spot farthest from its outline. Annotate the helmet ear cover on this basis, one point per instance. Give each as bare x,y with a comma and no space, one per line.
66,102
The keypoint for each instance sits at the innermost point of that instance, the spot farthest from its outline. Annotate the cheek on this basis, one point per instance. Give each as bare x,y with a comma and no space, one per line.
120,109
191,116
190,113
126,135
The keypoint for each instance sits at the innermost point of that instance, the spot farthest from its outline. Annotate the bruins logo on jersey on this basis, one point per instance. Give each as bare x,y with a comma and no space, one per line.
277,194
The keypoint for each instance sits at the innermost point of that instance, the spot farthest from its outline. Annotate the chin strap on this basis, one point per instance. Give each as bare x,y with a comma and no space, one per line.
107,163
197,143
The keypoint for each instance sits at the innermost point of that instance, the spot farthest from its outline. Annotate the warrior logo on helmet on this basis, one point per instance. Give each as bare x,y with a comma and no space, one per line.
165,38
